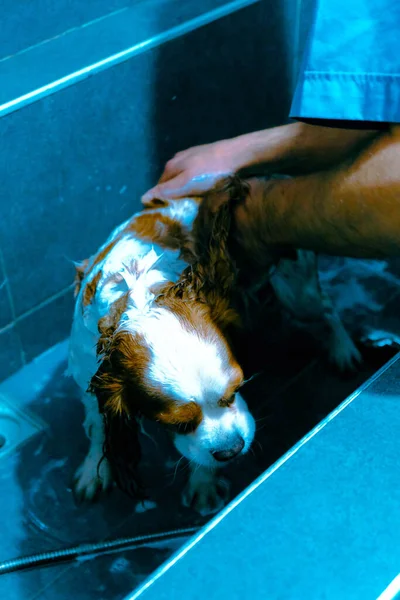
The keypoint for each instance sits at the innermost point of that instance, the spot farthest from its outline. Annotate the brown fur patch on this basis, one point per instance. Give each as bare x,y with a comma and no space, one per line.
103,253
121,387
108,324
149,227
160,229
210,280
115,384
90,289
235,383
80,270
185,418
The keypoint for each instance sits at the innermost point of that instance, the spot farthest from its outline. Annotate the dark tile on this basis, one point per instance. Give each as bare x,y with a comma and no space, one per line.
227,91
25,585
47,325
79,48
10,352
82,188
5,308
106,577
77,162
309,398
41,20
32,22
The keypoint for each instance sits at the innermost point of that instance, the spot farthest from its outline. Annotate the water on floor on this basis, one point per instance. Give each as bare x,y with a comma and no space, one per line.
43,442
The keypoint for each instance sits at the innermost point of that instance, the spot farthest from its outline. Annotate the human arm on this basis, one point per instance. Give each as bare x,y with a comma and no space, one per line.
352,209
295,148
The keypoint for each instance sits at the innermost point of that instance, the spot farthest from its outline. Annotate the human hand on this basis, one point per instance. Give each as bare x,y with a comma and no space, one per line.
195,171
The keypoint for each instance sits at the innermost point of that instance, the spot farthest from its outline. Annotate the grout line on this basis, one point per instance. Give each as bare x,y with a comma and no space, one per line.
18,319
44,303
39,593
7,327
62,34
124,55
21,350
7,284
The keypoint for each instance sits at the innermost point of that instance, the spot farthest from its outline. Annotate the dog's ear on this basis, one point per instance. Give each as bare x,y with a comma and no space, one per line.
80,270
212,276
212,232
123,451
112,385
232,191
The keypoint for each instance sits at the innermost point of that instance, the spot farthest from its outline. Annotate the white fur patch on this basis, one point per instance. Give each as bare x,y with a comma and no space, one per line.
206,492
139,276
186,365
219,428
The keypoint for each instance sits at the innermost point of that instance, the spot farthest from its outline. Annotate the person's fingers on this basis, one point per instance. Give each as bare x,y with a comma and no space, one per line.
148,198
178,187
154,203
171,169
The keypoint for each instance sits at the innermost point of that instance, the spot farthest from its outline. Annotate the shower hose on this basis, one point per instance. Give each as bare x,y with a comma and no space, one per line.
91,550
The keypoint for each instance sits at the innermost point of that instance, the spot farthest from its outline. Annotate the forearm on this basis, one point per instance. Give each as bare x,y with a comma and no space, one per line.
353,210
298,147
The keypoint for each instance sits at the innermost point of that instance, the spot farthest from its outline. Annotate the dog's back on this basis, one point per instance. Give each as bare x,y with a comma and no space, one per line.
157,240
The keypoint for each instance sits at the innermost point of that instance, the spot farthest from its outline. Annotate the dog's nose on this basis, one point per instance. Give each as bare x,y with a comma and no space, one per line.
225,455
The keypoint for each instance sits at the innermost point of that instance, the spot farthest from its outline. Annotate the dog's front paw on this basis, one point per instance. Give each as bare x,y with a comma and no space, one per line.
205,493
91,479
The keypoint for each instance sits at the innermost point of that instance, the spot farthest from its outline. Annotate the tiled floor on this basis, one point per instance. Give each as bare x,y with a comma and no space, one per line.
37,509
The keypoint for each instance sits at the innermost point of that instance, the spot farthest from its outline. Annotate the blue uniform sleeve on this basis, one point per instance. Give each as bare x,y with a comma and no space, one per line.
351,65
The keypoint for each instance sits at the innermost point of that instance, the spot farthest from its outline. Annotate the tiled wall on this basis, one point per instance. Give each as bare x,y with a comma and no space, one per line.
74,164
26,23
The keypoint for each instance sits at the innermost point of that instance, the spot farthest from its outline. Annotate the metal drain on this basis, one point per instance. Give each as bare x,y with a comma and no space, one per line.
17,426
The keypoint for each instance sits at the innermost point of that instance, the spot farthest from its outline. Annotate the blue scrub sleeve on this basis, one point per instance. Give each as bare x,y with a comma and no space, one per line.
351,65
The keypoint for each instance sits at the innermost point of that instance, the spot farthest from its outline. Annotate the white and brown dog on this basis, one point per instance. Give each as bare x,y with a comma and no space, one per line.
150,339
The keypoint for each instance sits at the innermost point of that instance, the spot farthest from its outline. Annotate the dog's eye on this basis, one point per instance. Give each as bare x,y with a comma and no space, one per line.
226,402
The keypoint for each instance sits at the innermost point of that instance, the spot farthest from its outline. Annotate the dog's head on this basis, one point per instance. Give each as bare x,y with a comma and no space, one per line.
171,362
